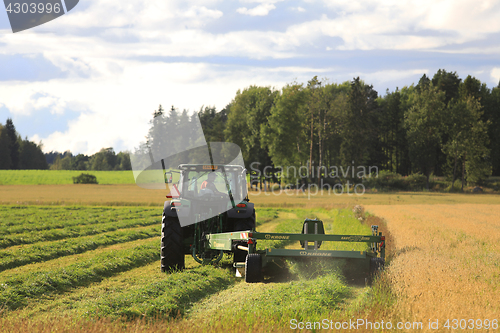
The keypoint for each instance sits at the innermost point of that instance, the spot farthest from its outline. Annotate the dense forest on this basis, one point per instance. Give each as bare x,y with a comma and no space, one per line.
442,126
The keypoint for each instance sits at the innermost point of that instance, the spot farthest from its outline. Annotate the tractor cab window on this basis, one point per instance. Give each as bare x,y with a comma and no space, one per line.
197,181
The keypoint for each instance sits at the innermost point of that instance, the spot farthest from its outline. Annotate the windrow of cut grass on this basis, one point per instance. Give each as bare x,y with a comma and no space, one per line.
20,219
72,232
16,290
303,298
167,296
50,250
54,177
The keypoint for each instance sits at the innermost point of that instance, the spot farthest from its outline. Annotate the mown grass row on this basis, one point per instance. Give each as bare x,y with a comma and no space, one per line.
72,232
169,296
19,219
16,290
303,300
50,250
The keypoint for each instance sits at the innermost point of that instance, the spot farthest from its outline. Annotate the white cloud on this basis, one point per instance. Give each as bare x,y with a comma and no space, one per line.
495,75
118,107
115,89
260,10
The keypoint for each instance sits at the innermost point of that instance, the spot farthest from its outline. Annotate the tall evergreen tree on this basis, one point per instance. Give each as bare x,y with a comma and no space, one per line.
13,144
5,159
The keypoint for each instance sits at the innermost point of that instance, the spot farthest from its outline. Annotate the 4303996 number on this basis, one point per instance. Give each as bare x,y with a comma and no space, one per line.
33,8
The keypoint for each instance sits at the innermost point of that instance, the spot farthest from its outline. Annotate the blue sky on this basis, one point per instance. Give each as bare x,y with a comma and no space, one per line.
93,77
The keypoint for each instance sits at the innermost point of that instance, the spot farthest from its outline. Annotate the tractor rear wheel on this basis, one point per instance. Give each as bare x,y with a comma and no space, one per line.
172,251
253,268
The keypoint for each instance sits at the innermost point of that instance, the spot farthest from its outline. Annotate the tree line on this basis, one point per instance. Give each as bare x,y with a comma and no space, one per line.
16,154
442,126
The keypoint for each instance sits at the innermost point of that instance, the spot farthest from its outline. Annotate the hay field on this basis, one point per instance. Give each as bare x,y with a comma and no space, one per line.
96,269
133,195
446,262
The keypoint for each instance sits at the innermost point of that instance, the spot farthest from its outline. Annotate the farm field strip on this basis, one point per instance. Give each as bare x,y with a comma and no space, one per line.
72,232
133,195
43,251
51,177
19,219
23,286
446,262
124,280
135,292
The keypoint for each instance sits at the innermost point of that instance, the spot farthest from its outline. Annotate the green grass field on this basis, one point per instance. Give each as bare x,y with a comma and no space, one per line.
58,177
92,272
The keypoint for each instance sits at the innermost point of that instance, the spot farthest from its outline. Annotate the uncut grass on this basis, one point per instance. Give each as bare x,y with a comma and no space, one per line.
446,262
72,231
50,250
52,177
133,195
20,219
26,283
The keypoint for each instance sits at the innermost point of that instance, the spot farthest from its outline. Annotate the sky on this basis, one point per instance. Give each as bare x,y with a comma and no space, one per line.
93,77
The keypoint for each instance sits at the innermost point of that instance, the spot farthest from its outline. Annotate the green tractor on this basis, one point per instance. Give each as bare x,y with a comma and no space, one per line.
205,199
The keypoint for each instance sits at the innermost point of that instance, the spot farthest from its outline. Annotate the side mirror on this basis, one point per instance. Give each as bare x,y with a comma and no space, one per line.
168,177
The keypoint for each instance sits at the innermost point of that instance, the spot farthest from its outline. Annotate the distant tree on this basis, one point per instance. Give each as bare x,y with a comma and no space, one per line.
424,124
249,111
13,145
331,105
423,83
213,123
492,114
123,161
359,132
80,162
105,159
5,157
31,156
448,83
392,134
285,134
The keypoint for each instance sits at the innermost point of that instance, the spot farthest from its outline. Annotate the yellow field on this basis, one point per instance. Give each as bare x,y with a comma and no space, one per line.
118,195
446,263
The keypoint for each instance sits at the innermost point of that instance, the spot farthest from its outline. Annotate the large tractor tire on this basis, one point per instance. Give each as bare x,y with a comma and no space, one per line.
253,268
241,225
172,250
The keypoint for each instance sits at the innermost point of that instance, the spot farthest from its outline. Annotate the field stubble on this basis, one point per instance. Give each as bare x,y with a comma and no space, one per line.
447,261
